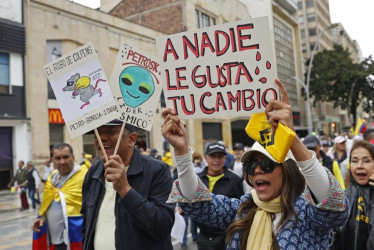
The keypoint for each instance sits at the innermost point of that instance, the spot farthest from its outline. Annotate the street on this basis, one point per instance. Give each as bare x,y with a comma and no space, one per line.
15,232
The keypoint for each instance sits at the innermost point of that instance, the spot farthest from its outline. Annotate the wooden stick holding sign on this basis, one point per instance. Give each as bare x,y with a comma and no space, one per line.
101,144
119,138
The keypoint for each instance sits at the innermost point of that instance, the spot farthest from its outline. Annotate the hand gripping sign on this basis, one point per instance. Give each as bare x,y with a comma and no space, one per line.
136,84
277,143
224,70
82,90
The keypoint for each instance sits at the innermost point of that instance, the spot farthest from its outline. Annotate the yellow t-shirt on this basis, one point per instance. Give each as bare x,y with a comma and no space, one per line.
213,180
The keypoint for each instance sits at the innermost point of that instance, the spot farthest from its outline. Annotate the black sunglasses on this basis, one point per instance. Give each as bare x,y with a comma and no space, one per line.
266,164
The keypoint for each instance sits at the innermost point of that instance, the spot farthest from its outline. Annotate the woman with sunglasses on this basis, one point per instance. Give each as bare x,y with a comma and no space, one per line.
358,232
280,212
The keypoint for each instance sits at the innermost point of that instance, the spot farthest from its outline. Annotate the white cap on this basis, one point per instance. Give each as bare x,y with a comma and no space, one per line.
257,147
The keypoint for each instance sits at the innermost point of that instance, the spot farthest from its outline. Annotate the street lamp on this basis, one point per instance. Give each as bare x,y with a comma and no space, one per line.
306,86
307,105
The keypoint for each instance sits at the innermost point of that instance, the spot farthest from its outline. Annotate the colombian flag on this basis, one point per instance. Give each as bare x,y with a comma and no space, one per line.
360,126
70,196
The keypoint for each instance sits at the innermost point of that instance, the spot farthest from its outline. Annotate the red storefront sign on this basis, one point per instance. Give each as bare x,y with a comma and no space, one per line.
55,116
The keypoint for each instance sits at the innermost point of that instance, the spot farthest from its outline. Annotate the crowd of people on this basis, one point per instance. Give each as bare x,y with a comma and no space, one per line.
319,197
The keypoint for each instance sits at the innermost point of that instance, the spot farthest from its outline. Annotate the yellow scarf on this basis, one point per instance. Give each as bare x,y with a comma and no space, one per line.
72,190
260,234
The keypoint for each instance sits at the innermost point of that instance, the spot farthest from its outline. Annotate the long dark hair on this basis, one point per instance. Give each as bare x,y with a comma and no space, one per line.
293,185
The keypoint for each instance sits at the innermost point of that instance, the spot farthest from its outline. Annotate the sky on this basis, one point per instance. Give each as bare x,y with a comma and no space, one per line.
356,16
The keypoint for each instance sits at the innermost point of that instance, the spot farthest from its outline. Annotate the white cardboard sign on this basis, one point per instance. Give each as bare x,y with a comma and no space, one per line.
224,70
136,84
82,90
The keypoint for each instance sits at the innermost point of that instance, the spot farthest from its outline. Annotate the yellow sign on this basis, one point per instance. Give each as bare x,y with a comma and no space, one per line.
277,144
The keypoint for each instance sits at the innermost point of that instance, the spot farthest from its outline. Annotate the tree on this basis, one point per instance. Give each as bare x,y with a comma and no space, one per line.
335,78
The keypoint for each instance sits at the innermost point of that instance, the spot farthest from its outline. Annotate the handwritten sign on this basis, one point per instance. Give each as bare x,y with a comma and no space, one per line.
136,84
82,90
225,70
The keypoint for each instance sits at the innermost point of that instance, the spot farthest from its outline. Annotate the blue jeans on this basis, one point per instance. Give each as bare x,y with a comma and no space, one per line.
32,197
184,243
193,230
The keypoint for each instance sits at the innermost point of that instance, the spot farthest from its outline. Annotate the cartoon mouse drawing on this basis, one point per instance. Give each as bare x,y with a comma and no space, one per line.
81,86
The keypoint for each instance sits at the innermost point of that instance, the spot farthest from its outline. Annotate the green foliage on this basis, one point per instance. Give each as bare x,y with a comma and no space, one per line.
335,78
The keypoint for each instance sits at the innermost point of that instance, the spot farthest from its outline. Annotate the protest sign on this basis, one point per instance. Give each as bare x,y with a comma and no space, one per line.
82,90
224,70
136,84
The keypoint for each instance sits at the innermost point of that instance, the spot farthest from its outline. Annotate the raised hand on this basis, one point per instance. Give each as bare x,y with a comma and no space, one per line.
280,111
174,132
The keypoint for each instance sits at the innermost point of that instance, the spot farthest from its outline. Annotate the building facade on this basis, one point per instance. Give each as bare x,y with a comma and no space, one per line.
314,18
14,122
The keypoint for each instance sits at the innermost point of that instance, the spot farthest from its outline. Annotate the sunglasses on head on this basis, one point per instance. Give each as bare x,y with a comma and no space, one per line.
266,165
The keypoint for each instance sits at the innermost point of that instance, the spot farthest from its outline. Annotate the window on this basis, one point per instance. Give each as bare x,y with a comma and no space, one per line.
309,3
302,34
300,5
301,19
312,32
303,48
311,18
54,51
4,73
212,131
203,20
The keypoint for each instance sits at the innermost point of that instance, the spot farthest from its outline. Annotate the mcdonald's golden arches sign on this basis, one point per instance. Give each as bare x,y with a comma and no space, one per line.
55,116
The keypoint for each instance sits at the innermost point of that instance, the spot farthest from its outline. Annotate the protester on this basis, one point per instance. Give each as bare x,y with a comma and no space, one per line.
236,165
340,149
62,200
358,232
153,153
313,143
48,169
33,181
325,147
281,212
198,162
87,161
220,180
21,177
368,135
124,198
168,159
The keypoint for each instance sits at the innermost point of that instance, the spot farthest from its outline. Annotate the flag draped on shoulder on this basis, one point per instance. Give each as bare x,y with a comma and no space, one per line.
70,196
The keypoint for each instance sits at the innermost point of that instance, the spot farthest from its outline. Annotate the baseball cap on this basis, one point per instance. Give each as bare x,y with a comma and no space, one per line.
238,145
311,141
215,147
257,147
339,139
117,122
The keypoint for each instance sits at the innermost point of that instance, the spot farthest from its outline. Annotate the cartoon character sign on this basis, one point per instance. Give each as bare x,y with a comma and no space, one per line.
136,85
81,86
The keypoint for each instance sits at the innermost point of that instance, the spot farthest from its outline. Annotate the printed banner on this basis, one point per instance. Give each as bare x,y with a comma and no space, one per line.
224,70
136,84
82,90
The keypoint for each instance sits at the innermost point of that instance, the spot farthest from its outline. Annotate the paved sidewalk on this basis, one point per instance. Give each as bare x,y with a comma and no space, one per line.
15,232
